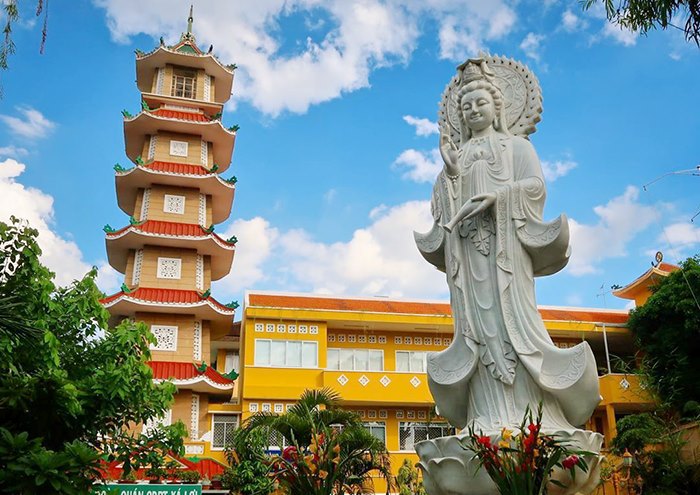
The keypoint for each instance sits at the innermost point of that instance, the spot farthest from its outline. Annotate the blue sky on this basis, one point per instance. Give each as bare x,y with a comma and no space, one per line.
336,154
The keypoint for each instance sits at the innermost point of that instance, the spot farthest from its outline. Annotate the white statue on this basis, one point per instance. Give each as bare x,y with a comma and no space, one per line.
490,240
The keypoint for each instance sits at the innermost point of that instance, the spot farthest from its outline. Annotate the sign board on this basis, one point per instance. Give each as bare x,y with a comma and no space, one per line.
146,490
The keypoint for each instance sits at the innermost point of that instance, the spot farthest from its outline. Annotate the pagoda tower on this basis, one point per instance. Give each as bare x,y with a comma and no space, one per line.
168,252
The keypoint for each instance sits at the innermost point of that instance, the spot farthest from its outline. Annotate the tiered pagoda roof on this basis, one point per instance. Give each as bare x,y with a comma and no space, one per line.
198,379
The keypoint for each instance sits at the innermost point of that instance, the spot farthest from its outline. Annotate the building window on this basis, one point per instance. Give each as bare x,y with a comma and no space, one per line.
411,432
166,338
169,268
286,353
223,426
184,83
174,204
378,430
410,361
355,359
179,148
276,442
231,363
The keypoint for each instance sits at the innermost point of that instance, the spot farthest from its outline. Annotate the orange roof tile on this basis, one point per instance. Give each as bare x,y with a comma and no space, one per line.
177,168
415,307
175,114
162,227
165,370
168,296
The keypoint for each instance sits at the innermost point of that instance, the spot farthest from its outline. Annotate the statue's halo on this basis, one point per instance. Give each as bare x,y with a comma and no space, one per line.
521,95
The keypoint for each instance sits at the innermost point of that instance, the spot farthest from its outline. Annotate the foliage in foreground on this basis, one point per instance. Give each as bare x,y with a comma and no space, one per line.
327,451
645,15
656,443
249,469
666,331
65,382
523,463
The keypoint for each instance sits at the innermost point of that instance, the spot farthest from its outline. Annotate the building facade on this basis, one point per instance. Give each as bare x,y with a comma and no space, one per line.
169,253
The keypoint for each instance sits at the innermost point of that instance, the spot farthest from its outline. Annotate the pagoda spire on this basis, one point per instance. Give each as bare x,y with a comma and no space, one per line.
190,20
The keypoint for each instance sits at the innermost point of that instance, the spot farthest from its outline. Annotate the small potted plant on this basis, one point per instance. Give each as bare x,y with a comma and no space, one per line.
156,471
189,477
206,483
173,472
216,482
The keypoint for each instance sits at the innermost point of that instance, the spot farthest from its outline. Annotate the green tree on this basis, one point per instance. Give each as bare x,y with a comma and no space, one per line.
408,480
327,451
249,469
666,331
645,15
66,381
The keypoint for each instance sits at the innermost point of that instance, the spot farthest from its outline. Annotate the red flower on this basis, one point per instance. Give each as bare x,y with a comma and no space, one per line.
484,440
570,462
290,453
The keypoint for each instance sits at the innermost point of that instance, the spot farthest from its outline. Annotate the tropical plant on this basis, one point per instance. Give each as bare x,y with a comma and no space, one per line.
67,382
408,481
249,464
189,476
522,463
327,451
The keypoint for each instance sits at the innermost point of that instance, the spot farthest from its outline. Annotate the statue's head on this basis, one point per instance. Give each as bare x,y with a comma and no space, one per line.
480,100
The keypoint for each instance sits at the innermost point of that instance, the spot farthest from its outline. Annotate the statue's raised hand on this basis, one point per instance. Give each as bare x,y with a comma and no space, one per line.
448,150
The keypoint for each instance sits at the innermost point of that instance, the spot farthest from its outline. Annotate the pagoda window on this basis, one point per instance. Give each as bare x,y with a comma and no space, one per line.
355,359
232,362
157,423
169,268
174,204
166,338
179,148
410,361
223,426
286,353
184,83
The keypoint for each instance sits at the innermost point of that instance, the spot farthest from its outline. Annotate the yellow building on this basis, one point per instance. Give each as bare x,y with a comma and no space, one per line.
168,252
372,351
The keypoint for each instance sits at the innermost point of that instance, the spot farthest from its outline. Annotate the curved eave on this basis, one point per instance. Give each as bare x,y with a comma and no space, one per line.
126,306
641,285
145,123
121,242
147,64
129,181
201,384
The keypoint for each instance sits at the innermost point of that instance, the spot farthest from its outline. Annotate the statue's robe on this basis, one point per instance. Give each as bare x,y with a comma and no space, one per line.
501,356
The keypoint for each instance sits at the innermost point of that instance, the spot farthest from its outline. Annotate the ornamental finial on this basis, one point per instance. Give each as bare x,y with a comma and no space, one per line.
190,20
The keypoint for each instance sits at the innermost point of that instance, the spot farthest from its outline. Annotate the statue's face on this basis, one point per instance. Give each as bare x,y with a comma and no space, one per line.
478,109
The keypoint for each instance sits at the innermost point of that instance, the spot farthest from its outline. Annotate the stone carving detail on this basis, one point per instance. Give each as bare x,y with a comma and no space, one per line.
160,81
138,263
207,87
145,204
203,210
490,239
194,416
152,146
169,268
197,341
179,148
199,273
166,337
173,203
204,153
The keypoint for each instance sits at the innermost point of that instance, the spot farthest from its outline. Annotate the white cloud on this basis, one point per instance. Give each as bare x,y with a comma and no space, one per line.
256,240
679,240
61,255
13,151
619,34
571,22
419,166
108,279
330,195
31,125
380,259
348,40
424,127
553,170
531,45
619,222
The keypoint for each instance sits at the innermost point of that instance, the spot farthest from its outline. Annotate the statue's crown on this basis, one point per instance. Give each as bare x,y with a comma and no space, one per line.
474,69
